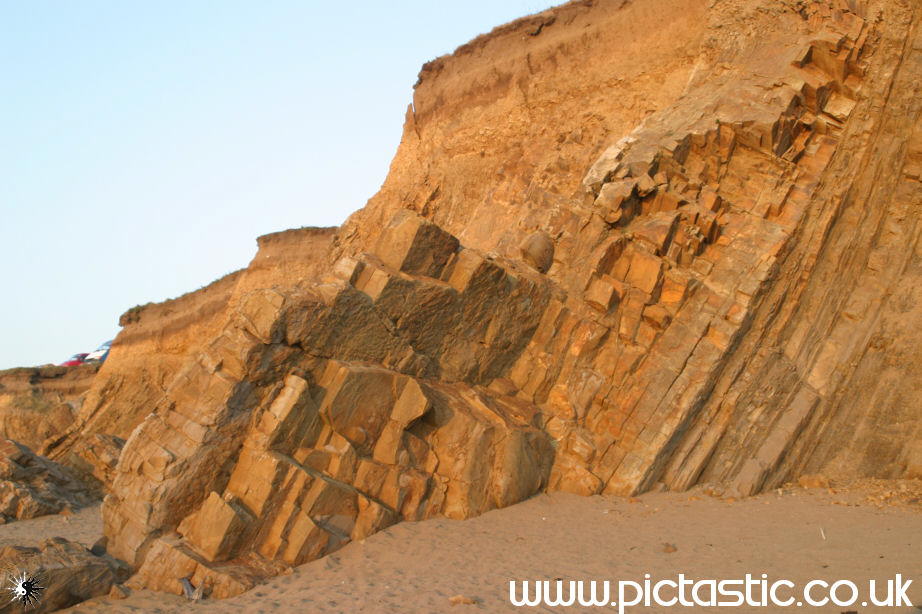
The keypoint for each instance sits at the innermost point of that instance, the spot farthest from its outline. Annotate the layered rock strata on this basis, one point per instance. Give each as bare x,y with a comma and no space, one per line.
41,402
618,249
156,339
31,485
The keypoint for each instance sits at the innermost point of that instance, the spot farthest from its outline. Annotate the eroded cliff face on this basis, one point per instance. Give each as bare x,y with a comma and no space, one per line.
41,402
619,248
154,343
501,132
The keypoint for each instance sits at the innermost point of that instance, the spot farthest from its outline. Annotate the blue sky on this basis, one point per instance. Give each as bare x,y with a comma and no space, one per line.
147,144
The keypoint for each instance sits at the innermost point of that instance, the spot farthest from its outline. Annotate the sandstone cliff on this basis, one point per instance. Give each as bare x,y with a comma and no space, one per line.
41,402
622,246
154,342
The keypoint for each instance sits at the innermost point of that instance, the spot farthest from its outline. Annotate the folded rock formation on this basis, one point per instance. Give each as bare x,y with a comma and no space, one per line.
622,246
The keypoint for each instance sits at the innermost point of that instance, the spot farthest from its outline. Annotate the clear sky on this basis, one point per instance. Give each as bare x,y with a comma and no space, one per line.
145,145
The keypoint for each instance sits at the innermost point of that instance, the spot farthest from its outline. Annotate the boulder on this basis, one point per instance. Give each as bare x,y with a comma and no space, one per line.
538,250
414,245
31,485
67,572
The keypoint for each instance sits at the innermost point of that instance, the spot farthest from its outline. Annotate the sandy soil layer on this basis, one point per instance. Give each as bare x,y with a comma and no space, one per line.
419,567
83,526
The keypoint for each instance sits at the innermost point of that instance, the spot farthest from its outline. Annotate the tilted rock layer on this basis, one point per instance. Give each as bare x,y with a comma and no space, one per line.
31,485
622,246
156,340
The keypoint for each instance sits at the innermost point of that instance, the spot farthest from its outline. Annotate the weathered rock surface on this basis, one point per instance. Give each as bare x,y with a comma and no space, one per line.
399,425
156,339
68,572
619,248
41,402
31,485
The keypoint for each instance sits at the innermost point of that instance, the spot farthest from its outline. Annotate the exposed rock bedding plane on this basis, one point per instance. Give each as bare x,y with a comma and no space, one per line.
622,246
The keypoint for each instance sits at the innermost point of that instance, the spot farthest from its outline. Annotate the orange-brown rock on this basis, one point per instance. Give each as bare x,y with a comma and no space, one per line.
68,573
620,247
156,339
31,485
41,402
813,481
538,251
323,450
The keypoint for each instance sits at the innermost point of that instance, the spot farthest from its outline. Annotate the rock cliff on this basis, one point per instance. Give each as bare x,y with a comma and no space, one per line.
155,341
622,246
40,402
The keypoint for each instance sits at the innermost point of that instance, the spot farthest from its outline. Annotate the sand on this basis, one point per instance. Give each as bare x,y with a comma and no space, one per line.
417,567
84,526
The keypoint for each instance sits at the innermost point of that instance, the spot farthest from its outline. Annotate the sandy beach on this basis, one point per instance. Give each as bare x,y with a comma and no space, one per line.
607,247
796,534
